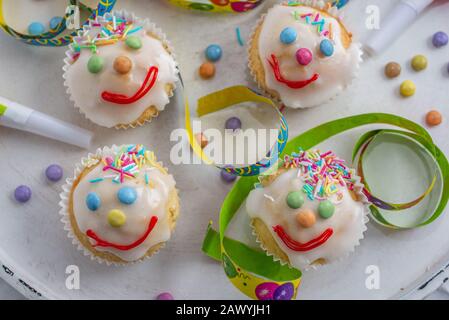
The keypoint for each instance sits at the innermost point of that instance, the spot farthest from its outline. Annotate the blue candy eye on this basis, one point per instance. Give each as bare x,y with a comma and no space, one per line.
93,201
127,195
288,35
326,48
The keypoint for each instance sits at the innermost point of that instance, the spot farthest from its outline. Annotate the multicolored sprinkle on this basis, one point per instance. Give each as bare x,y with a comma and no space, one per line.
103,31
323,174
314,19
128,163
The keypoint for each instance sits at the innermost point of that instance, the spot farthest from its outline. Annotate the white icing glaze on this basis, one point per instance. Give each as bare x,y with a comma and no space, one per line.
348,221
336,72
85,88
151,201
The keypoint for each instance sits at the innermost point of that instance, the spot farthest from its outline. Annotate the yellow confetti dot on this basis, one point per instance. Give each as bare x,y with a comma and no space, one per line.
419,62
408,88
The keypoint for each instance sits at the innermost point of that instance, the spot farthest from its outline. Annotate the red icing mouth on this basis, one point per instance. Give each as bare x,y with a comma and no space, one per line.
274,63
302,247
103,243
147,85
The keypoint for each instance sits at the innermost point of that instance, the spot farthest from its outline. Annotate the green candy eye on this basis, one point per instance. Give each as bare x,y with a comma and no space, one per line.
134,42
95,64
295,199
326,209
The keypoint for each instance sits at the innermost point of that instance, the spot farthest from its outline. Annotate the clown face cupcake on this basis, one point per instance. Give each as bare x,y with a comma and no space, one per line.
121,206
302,55
310,212
120,71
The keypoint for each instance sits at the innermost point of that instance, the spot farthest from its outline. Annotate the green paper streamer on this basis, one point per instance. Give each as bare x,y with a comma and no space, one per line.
232,252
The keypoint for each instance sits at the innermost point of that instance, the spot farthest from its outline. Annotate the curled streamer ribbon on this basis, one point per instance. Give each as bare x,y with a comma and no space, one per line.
50,38
235,6
256,274
363,143
226,98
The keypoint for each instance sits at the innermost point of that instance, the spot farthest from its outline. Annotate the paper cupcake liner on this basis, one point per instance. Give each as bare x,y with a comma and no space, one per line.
358,190
149,27
86,162
252,74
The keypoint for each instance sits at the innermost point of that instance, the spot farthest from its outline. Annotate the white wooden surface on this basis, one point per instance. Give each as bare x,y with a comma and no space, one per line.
32,234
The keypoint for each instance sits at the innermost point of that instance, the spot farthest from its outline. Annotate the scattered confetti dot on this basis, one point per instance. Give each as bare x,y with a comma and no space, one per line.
440,39
392,70
408,88
419,62
434,118
165,296
214,52
54,172
22,193
233,123
207,70
227,177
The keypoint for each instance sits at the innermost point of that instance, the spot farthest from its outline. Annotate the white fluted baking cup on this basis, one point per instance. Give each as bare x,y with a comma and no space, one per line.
90,160
361,197
272,94
150,28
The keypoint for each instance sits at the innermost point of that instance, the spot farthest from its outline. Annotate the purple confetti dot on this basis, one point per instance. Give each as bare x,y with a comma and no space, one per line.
22,193
165,296
233,123
440,39
54,172
228,177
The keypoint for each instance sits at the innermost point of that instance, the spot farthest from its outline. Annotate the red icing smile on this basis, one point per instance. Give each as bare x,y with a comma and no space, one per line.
302,247
274,63
147,85
103,243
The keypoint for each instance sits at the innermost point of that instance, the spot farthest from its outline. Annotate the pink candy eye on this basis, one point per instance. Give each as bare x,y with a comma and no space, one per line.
304,56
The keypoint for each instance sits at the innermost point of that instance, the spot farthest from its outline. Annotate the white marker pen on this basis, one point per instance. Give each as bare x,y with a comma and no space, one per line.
17,116
405,12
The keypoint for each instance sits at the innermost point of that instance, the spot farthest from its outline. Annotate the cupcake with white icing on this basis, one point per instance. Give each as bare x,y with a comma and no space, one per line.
302,55
120,71
310,212
121,206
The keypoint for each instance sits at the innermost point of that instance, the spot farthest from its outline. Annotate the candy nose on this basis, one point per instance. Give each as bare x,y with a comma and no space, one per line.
116,218
123,64
306,218
304,56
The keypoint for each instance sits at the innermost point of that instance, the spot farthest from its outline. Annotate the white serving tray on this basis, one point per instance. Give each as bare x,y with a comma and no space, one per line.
35,252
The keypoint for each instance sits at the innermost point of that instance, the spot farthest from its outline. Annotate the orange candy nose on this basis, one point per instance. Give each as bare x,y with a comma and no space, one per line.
123,64
306,218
